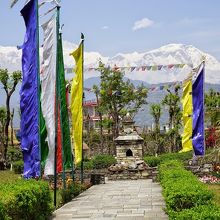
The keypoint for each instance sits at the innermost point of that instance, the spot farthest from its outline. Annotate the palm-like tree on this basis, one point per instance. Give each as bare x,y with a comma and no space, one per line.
155,111
172,101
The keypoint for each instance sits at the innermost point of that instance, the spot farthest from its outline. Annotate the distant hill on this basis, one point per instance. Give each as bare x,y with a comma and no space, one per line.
143,118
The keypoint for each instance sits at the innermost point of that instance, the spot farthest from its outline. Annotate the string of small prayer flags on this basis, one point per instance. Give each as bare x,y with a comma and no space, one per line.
151,89
134,68
163,87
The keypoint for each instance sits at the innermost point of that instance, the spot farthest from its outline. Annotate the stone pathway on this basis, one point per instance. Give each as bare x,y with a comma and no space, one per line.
125,200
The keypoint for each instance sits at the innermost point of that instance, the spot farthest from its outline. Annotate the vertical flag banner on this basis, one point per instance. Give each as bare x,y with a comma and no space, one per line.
43,139
187,115
48,88
198,112
65,129
29,102
76,103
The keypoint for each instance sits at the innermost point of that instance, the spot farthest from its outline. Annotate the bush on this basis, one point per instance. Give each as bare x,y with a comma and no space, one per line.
205,212
153,161
18,166
183,191
71,191
177,156
14,154
87,165
25,199
103,161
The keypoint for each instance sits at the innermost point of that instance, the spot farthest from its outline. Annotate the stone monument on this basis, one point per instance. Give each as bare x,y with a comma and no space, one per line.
129,145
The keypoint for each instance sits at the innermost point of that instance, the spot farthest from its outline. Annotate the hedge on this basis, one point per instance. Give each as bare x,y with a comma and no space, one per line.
184,194
98,162
25,199
153,161
202,212
103,161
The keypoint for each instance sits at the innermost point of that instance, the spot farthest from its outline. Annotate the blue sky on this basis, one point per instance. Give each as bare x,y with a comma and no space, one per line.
109,26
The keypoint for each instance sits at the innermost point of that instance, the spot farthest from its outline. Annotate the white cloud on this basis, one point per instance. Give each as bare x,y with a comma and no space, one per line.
105,27
143,23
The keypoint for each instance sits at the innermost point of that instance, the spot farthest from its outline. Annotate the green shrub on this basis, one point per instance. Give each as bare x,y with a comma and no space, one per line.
177,156
103,161
25,199
87,165
181,189
18,166
70,192
202,212
152,161
14,154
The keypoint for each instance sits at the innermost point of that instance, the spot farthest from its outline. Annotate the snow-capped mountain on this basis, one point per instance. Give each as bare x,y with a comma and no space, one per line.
10,58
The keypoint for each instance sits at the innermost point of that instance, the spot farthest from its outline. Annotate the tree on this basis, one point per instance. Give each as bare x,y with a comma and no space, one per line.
9,82
212,104
172,101
12,127
118,97
2,124
100,110
155,111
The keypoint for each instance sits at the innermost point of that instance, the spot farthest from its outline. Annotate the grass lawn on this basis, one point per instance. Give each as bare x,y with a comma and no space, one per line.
7,176
216,189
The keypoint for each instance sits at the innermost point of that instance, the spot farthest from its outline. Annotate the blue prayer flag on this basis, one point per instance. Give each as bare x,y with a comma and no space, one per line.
198,113
29,93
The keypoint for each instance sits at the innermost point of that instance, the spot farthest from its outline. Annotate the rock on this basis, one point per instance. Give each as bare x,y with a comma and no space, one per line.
132,166
141,167
145,174
139,162
207,165
205,170
134,178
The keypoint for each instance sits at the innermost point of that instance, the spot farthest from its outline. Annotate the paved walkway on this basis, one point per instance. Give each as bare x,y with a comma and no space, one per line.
125,200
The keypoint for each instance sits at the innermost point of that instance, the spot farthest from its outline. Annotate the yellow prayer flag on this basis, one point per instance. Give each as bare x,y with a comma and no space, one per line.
187,116
76,103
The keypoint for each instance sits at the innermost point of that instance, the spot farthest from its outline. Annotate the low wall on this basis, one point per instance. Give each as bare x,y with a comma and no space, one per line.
200,170
105,174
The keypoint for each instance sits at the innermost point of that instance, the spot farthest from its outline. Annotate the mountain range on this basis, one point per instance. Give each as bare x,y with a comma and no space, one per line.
10,58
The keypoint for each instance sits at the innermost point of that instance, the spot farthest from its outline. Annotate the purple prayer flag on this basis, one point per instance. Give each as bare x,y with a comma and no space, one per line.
198,114
132,68
160,67
29,93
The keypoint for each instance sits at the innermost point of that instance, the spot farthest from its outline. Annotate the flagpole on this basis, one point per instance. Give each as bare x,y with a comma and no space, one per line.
61,122
204,104
38,82
82,39
56,113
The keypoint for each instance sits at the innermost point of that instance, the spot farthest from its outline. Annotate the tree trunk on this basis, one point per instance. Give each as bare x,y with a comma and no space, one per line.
101,125
8,116
12,128
101,132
